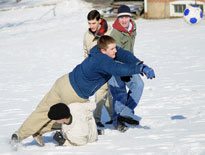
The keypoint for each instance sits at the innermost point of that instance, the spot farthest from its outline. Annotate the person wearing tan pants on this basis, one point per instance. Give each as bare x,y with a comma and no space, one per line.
86,78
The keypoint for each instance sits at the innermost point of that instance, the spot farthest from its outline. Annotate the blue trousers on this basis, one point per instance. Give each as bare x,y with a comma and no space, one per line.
124,102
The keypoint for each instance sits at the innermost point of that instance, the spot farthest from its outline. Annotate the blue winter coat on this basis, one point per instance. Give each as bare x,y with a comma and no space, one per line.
87,77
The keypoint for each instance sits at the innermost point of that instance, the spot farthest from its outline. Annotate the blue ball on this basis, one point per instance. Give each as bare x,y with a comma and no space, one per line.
193,20
201,14
193,14
186,12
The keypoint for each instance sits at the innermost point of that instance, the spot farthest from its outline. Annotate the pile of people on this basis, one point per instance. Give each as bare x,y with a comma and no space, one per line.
110,71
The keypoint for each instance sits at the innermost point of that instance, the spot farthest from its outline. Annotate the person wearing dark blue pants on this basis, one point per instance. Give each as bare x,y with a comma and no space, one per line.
126,91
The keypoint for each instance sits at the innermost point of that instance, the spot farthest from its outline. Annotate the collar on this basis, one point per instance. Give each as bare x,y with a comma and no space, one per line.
101,30
119,27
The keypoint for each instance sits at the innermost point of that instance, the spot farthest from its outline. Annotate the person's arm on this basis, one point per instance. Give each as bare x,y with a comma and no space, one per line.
77,133
118,69
67,139
85,49
115,68
76,141
126,56
117,36
89,106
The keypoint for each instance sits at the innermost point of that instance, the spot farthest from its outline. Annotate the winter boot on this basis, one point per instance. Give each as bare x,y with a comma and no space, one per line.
121,127
99,124
128,120
14,141
100,131
109,122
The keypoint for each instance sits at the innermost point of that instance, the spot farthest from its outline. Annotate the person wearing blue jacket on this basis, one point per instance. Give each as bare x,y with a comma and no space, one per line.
104,60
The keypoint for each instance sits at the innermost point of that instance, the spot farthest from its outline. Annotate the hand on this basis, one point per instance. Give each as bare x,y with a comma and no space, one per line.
149,72
58,137
126,78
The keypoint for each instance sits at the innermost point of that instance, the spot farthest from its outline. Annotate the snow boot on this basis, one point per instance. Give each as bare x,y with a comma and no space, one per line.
121,127
14,141
100,131
109,122
100,125
128,120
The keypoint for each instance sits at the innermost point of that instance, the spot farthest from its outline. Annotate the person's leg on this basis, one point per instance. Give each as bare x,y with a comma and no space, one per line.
98,111
50,126
100,99
38,118
119,94
109,106
61,91
127,112
124,114
135,86
123,105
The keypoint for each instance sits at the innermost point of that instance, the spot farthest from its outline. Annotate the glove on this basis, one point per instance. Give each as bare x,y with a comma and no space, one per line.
125,78
58,137
149,72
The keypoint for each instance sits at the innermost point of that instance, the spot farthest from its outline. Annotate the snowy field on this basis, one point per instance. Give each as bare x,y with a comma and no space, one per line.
37,47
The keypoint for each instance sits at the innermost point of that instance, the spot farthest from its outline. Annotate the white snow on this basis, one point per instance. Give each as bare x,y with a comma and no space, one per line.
37,47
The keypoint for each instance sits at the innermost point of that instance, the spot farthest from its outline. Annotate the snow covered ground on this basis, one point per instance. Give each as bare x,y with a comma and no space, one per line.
37,47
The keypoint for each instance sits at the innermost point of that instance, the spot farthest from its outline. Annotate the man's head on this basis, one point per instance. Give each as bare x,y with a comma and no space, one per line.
59,112
124,15
94,20
107,46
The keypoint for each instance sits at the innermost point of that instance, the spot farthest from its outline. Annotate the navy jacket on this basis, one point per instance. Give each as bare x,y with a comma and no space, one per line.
87,77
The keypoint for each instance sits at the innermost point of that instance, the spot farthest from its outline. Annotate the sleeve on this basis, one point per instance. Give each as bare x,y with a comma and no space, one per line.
116,36
108,30
77,133
115,68
126,56
89,106
85,49
76,141
77,137
89,111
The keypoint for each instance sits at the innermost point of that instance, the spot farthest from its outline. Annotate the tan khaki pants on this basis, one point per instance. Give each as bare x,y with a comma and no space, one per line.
103,97
38,121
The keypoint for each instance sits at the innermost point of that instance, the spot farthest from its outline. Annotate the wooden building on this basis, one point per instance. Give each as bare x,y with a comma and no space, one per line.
168,8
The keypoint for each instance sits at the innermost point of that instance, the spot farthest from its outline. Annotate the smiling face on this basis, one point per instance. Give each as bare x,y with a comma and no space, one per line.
110,50
124,21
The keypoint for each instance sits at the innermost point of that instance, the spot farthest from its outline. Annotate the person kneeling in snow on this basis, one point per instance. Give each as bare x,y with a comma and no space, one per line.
78,124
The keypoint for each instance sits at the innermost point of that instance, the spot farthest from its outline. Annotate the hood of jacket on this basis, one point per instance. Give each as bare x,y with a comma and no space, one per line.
119,27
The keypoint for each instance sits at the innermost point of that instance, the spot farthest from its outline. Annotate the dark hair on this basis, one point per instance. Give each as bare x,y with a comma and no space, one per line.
104,41
59,111
94,14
